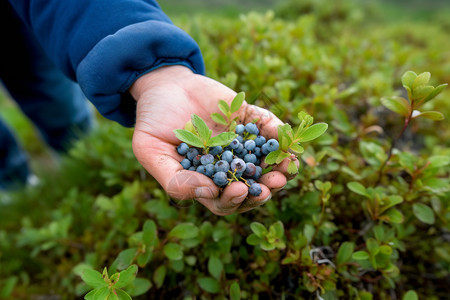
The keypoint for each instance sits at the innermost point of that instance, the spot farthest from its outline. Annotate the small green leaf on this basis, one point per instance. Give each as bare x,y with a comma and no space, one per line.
224,138
149,233
372,246
424,213
235,291
421,79
139,287
93,278
394,216
433,115
410,295
122,295
184,231
437,91
282,156
159,275
408,78
173,251
292,167
209,284
215,266
127,276
386,249
102,293
271,158
237,102
218,118
358,188
224,108
125,258
203,131
259,229
345,252
421,93
189,138
296,148
398,105
313,132
360,255
278,228
253,239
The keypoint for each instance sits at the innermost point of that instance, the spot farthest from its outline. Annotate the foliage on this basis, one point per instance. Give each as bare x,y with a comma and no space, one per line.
366,218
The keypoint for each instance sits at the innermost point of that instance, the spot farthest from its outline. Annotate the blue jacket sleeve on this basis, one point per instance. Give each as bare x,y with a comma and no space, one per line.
105,45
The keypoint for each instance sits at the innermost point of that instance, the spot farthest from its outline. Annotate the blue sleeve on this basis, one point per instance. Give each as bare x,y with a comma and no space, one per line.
105,45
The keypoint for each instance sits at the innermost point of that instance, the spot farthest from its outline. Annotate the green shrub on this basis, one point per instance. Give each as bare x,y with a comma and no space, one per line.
366,218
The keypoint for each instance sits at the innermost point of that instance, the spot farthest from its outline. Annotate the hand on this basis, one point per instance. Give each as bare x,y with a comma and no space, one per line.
166,98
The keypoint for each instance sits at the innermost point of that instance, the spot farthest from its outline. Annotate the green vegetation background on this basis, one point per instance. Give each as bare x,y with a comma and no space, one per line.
335,61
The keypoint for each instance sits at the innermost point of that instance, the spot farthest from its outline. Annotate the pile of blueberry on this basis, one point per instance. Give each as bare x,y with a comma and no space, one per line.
238,161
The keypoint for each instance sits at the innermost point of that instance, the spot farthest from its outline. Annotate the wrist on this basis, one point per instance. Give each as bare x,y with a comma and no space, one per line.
157,77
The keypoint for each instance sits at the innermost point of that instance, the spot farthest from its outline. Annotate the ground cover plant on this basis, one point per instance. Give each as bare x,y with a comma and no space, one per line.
367,216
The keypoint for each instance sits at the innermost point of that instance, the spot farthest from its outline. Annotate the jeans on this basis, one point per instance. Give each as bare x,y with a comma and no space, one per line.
54,103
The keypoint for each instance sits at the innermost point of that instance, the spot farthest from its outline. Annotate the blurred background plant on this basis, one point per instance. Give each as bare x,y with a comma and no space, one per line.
342,229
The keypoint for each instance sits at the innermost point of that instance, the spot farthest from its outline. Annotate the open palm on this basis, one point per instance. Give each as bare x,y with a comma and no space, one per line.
166,99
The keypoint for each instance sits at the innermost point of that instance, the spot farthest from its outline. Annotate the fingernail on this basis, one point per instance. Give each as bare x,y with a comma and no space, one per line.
238,200
203,192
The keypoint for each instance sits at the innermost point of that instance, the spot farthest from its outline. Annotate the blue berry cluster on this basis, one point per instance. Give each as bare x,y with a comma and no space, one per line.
238,161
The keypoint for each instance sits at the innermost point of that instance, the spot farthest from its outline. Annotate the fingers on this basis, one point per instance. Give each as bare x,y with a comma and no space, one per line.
230,199
254,201
273,180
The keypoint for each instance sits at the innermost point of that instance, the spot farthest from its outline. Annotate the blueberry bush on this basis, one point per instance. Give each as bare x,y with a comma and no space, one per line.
367,216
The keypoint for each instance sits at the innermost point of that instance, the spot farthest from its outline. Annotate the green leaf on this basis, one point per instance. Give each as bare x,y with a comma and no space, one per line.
149,233
184,231
127,276
433,115
282,156
188,137
224,138
122,295
292,168
313,132
224,108
296,148
209,284
218,118
372,246
410,295
139,287
125,258
173,251
398,105
259,229
345,252
358,188
237,102
235,291
421,79
278,228
386,249
253,239
215,266
408,78
437,91
102,293
159,275
360,255
424,213
93,278
271,158
203,131
438,161
421,93
394,216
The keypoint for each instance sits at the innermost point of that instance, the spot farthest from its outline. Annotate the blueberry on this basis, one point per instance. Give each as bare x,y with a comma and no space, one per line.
186,163
250,145
257,152
240,129
265,149
222,166
250,169
192,168
235,144
239,174
220,178
240,139
255,189
227,156
237,165
258,173
241,153
260,140
215,150
196,161
250,181
201,169
272,145
251,128
250,158
209,170
207,159
182,149
191,153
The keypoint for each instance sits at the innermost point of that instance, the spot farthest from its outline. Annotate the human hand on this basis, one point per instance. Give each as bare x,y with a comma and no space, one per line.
166,98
